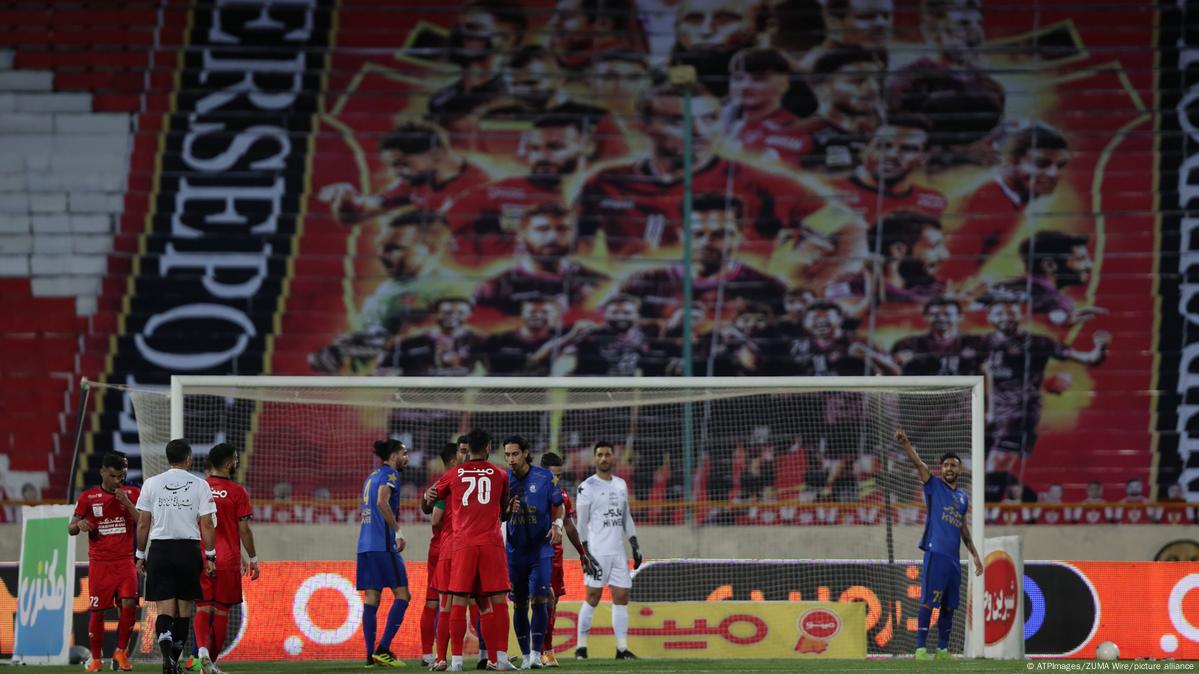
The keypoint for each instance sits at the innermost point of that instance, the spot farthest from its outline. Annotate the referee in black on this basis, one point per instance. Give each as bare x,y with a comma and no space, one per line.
175,511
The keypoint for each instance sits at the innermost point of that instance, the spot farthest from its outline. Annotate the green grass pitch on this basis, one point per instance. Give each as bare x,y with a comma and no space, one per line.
667,666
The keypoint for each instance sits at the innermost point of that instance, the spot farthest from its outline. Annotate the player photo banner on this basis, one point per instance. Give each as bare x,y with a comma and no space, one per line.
44,592
476,196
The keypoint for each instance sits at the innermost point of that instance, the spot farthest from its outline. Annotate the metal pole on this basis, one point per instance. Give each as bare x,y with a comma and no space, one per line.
80,417
688,412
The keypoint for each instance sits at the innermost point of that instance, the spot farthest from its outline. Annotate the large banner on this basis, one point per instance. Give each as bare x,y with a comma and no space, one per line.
310,609
496,188
730,629
42,630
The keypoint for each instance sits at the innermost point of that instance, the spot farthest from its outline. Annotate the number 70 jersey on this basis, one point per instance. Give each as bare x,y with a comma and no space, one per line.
475,493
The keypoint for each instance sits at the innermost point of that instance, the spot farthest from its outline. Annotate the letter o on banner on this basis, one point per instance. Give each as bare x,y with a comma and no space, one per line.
315,633
1184,626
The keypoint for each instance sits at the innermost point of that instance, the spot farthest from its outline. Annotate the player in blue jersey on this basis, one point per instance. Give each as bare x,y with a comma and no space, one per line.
946,527
534,528
380,543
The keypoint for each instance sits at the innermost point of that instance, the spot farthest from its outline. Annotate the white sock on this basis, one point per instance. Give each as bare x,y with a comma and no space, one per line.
620,626
456,661
586,611
202,652
427,658
535,656
501,657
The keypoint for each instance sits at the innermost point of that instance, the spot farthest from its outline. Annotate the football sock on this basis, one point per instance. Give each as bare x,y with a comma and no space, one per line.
443,634
220,628
428,628
620,626
586,611
395,617
498,636
95,634
944,627
125,626
541,616
922,619
520,623
162,628
370,625
179,629
457,630
547,645
203,628
476,619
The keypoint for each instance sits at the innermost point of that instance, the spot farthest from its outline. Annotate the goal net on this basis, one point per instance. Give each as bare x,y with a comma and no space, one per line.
742,488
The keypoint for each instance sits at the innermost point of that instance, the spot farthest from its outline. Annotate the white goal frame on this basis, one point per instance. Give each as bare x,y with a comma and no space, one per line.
194,384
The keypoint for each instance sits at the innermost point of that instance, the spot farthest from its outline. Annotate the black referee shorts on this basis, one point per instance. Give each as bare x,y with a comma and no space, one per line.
173,569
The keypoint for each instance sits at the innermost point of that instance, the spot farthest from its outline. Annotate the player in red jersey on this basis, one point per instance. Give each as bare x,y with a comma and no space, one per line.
553,462
477,494
758,81
443,529
223,591
486,219
425,172
987,219
546,267
882,183
107,515
847,84
719,278
638,206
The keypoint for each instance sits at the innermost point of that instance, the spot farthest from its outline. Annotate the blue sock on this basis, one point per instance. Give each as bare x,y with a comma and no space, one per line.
394,617
944,627
541,620
520,623
923,618
369,627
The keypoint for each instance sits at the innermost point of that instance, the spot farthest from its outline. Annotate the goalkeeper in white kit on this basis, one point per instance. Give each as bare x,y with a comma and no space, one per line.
605,521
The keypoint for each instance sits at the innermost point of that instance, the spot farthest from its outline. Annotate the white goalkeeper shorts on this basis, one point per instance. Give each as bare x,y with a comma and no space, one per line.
615,570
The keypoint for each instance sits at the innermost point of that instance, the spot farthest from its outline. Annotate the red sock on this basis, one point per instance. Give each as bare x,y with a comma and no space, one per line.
443,634
428,627
203,628
500,623
125,626
548,645
457,628
95,634
485,629
220,628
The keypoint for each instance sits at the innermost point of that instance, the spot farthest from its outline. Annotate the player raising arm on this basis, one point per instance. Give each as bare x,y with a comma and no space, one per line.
533,529
107,515
218,594
945,529
604,522
553,462
380,543
477,493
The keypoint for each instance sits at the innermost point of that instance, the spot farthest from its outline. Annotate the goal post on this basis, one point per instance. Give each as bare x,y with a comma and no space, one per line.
797,487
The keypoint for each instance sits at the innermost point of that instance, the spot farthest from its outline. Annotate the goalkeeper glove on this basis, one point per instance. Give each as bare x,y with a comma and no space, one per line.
636,552
591,567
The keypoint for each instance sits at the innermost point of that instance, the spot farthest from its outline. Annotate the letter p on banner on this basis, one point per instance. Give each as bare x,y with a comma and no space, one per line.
46,587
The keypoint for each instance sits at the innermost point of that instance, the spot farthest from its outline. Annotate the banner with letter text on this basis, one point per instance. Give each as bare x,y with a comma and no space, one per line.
311,610
730,629
47,576
1003,598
